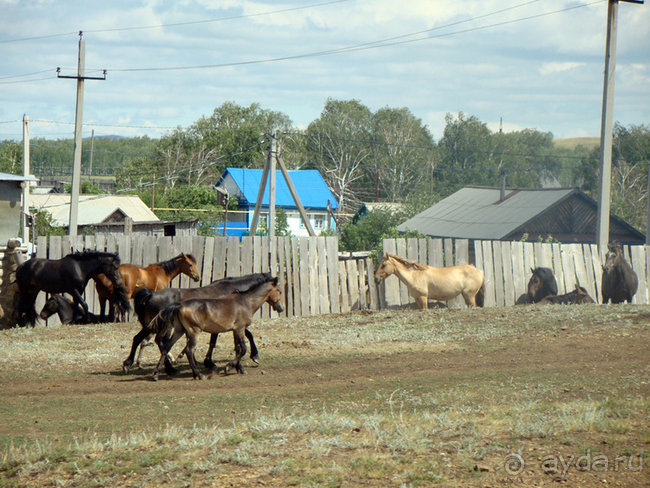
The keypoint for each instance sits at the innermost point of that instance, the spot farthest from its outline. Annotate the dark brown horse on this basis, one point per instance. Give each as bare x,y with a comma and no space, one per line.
577,296
619,281
147,305
230,313
66,310
155,277
541,284
67,275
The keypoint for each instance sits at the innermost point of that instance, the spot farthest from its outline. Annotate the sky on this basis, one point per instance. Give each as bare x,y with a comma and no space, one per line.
515,64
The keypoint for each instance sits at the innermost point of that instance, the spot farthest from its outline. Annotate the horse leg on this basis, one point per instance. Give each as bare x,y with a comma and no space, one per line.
208,362
240,351
165,344
137,340
254,353
470,301
191,345
80,302
422,302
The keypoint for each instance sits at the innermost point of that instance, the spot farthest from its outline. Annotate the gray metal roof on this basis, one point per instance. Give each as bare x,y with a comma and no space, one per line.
476,213
12,177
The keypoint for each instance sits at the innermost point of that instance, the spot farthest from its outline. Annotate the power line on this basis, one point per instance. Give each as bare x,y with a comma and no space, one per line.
176,24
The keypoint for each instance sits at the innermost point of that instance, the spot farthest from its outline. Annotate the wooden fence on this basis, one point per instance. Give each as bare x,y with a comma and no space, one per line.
507,265
315,280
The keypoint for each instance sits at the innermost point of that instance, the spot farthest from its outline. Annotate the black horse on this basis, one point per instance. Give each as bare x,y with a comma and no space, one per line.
541,284
148,304
67,275
619,282
66,310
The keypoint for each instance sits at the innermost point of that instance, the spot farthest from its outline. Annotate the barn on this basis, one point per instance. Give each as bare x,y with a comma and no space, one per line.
565,215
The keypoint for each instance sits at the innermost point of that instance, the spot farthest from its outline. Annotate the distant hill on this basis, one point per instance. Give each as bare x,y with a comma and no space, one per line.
573,142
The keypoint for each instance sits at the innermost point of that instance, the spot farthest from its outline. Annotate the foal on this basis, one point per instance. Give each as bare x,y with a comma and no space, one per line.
231,313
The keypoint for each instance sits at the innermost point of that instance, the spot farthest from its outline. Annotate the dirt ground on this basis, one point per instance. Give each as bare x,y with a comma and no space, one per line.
54,394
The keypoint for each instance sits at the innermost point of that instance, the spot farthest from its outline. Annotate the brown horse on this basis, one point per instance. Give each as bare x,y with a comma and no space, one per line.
155,277
231,313
577,296
425,282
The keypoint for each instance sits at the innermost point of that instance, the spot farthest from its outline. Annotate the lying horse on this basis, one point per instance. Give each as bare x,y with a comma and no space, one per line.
426,282
66,310
577,296
67,275
230,313
155,277
541,284
147,305
619,281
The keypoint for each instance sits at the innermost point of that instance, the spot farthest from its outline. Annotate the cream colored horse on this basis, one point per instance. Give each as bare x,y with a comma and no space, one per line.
425,282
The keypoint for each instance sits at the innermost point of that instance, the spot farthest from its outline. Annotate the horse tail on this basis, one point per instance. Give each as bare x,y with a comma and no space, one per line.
163,323
119,295
480,295
140,300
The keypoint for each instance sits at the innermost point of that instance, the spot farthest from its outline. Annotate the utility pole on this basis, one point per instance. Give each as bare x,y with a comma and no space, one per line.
78,122
26,170
606,132
272,157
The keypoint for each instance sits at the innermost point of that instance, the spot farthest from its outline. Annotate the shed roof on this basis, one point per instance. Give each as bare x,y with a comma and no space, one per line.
93,209
478,212
310,186
12,177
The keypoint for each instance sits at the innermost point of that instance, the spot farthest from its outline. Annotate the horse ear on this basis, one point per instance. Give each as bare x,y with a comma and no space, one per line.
275,281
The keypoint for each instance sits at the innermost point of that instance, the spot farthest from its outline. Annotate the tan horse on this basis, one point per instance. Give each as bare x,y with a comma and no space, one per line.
425,282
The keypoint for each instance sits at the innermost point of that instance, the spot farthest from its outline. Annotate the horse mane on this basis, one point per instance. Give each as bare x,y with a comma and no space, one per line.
170,265
407,262
90,254
265,278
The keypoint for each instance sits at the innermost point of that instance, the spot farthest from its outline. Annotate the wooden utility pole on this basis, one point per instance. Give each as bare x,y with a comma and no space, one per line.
78,122
25,227
606,131
270,162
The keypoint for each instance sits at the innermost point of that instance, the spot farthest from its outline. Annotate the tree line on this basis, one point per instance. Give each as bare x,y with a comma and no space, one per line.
385,155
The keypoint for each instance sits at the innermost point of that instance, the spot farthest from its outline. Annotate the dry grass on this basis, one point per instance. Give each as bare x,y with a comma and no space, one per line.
403,398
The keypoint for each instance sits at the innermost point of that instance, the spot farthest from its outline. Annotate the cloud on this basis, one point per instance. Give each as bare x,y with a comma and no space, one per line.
551,68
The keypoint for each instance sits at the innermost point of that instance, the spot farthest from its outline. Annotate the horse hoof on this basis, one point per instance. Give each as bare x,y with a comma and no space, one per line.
199,377
241,371
126,366
255,359
154,377
209,364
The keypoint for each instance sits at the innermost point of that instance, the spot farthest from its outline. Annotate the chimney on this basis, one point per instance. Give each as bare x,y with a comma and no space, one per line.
502,185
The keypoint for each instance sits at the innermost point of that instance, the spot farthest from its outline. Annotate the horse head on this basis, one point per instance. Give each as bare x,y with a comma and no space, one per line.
187,265
542,284
50,308
613,257
385,269
274,296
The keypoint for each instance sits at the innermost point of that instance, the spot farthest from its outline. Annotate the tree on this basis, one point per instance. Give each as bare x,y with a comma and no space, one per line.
11,158
339,146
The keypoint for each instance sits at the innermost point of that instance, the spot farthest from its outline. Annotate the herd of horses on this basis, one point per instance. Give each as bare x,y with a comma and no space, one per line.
229,304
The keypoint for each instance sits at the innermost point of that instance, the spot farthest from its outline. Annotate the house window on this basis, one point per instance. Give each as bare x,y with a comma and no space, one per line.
170,230
319,221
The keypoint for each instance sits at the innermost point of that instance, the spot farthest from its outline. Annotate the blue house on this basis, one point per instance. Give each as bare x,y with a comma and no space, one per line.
244,184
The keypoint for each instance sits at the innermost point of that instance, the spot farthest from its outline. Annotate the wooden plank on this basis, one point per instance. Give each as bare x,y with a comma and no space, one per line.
353,283
448,245
208,258
343,284
509,296
462,251
295,269
363,287
478,255
289,284
499,290
314,296
579,265
41,252
247,255
597,268
637,254
198,248
281,269
233,266
647,268
323,289
100,242
305,285
488,269
184,246
435,252
422,251
373,291
55,252
589,267
390,295
404,297
568,268
266,253
412,251
257,254
219,258
332,259
529,257
90,293
558,269
519,276
543,255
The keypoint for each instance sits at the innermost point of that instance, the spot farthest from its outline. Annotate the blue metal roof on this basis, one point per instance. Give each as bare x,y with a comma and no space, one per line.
309,184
